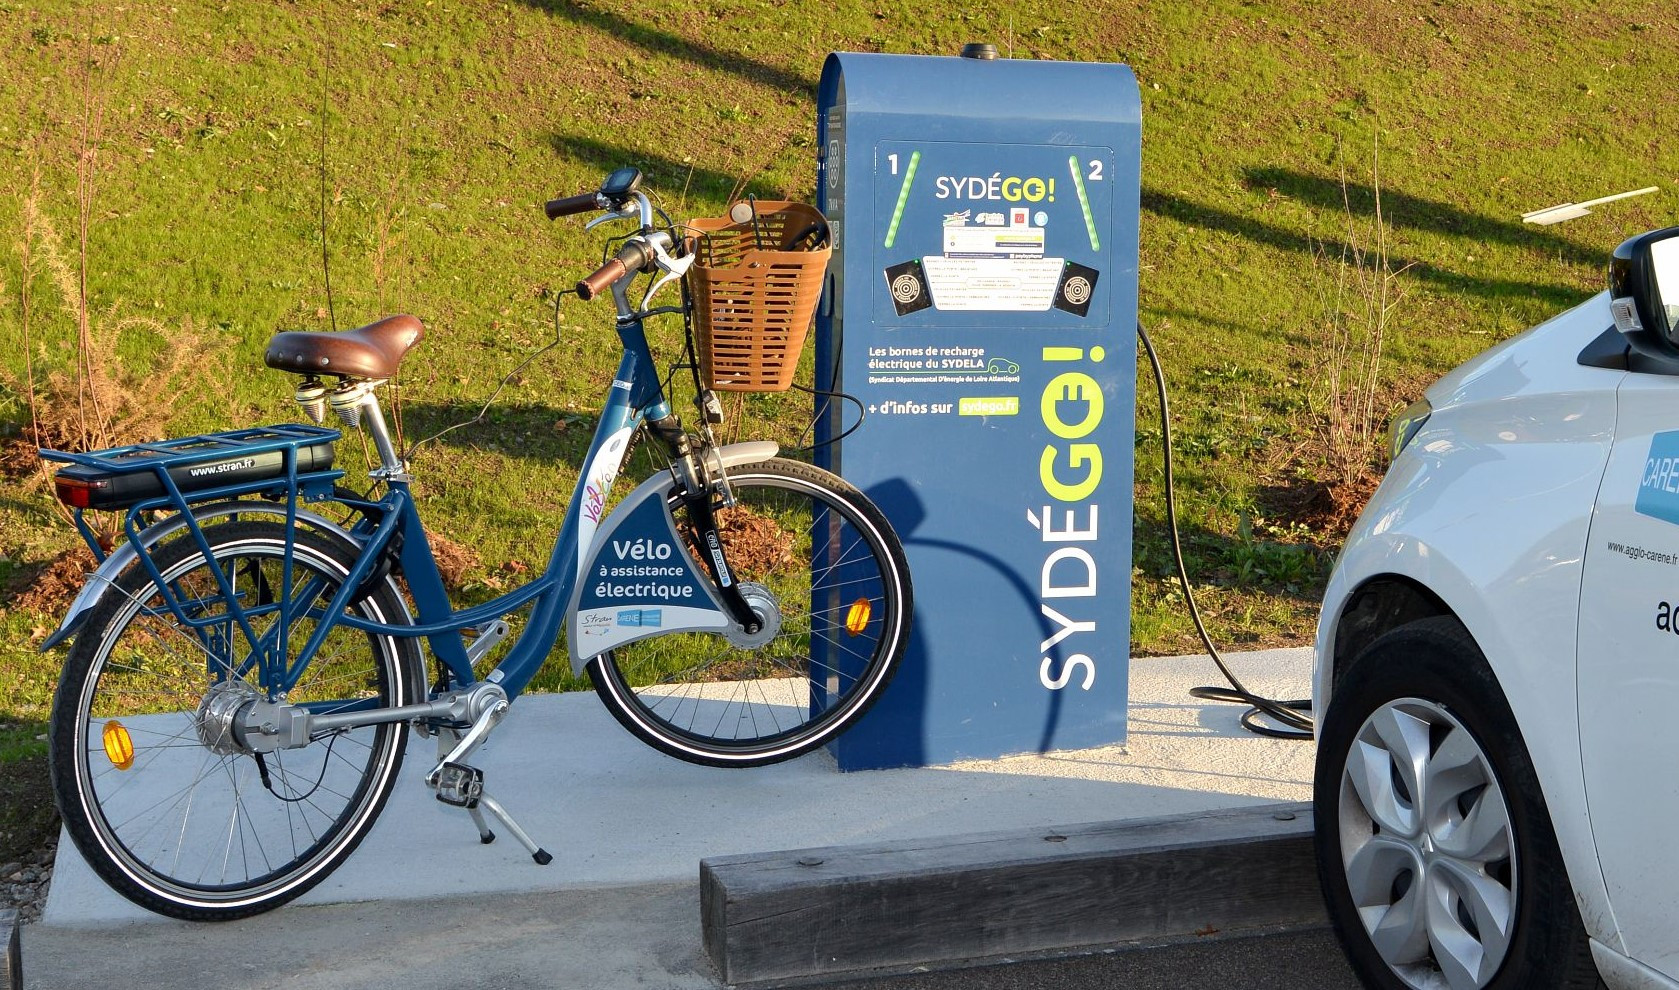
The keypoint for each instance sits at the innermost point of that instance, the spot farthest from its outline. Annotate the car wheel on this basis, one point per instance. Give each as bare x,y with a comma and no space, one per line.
1435,850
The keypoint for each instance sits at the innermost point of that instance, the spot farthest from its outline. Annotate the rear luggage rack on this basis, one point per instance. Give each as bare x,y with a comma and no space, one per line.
212,465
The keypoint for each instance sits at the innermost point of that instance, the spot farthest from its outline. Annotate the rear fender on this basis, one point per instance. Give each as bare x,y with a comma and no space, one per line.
100,581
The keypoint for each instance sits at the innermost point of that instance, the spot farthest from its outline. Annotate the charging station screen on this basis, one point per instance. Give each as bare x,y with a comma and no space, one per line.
986,235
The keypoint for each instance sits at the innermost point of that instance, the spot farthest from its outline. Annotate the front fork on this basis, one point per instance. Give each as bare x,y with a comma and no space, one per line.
703,488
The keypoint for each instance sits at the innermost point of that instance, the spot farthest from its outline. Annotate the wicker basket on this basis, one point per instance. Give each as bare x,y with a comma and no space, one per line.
752,307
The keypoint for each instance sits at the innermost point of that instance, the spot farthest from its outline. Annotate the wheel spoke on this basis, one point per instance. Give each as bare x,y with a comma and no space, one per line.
1374,872
810,557
1484,834
1370,770
1406,739
194,835
1468,957
1399,933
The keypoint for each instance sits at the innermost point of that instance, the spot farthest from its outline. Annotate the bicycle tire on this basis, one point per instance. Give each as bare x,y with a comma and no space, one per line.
175,825
708,699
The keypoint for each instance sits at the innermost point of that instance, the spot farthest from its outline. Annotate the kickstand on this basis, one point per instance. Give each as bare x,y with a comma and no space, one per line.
462,786
542,856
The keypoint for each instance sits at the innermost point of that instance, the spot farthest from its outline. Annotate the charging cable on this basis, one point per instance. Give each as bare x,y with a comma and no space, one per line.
1293,717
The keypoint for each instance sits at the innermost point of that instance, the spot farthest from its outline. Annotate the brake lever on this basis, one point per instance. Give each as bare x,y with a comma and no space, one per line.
672,268
628,213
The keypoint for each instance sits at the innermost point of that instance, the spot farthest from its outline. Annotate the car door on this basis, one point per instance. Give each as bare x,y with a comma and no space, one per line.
1628,671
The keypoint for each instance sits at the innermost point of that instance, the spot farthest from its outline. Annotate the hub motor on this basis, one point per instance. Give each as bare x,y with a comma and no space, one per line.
219,712
766,607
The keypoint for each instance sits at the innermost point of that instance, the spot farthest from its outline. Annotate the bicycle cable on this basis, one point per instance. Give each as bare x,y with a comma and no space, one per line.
820,412
502,385
262,771
1294,715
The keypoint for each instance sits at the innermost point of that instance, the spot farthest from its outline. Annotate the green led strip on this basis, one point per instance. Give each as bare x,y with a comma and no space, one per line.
903,197
1084,202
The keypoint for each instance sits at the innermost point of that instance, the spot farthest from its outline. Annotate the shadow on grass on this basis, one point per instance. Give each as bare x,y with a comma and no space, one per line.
28,820
671,177
656,41
1401,209
527,430
1293,572
1175,207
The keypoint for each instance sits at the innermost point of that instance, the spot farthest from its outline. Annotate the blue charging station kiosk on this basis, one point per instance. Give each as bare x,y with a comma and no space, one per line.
982,306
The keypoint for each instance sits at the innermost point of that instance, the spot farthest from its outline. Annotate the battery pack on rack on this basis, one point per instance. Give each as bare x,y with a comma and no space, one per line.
122,476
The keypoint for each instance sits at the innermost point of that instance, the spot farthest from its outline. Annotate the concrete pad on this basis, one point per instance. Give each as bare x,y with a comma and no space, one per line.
614,812
620,818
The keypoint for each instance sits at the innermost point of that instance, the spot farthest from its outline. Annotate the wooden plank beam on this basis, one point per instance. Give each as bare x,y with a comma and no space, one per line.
822,912
11,966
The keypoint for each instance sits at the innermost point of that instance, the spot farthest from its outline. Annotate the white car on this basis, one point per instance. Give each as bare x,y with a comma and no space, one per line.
1497,677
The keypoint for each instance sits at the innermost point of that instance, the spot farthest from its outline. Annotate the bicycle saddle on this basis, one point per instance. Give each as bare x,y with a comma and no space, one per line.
373,351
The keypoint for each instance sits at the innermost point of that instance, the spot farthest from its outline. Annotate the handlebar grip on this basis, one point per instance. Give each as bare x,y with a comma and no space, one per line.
557,208
602,279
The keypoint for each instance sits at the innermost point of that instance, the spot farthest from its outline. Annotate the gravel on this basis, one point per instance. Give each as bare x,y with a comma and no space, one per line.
23,884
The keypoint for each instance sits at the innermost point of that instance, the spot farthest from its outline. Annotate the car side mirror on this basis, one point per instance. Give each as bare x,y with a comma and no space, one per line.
1644,286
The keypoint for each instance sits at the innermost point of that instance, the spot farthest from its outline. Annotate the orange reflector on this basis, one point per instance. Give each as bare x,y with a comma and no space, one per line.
119,747
857,619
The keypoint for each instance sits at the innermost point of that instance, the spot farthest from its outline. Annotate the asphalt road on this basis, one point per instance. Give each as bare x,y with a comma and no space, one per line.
1308,960
646,938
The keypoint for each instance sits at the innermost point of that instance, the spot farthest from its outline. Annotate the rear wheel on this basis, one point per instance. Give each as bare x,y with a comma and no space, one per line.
819,562
160,798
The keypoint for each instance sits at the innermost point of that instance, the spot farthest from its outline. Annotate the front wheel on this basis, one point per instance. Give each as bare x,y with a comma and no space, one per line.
1435,849
160,798
816,557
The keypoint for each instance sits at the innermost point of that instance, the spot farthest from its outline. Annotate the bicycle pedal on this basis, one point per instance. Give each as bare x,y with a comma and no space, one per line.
459,785
488,635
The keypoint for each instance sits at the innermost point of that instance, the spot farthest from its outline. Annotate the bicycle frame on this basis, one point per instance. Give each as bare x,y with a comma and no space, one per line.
636,394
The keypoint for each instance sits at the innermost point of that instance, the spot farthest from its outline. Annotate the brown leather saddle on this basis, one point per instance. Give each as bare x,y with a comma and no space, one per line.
373,351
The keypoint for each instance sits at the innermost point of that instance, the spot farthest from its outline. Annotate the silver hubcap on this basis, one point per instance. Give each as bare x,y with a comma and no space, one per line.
1426,844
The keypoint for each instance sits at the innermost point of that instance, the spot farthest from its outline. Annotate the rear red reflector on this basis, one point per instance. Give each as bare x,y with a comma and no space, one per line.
77,492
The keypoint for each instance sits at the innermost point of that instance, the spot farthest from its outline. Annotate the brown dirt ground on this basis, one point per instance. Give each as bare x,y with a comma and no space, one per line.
28,820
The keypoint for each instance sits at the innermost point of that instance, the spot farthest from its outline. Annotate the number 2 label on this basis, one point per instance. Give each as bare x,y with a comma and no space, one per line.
1095,170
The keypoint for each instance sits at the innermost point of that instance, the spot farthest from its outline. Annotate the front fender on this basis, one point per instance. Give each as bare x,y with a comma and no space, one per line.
101,579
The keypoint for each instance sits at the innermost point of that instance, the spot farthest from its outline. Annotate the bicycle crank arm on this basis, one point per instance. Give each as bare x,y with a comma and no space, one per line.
488,719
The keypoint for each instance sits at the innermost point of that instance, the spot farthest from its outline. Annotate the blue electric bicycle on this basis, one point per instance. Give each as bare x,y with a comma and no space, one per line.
248,664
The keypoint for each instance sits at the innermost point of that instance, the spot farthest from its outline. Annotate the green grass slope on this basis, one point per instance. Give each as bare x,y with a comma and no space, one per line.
215,137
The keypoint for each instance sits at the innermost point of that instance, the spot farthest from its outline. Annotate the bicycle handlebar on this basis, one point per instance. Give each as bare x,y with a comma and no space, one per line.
603,277
557,208
632,257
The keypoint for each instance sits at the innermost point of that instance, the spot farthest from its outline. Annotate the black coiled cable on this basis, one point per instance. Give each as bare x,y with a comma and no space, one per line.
1294,715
